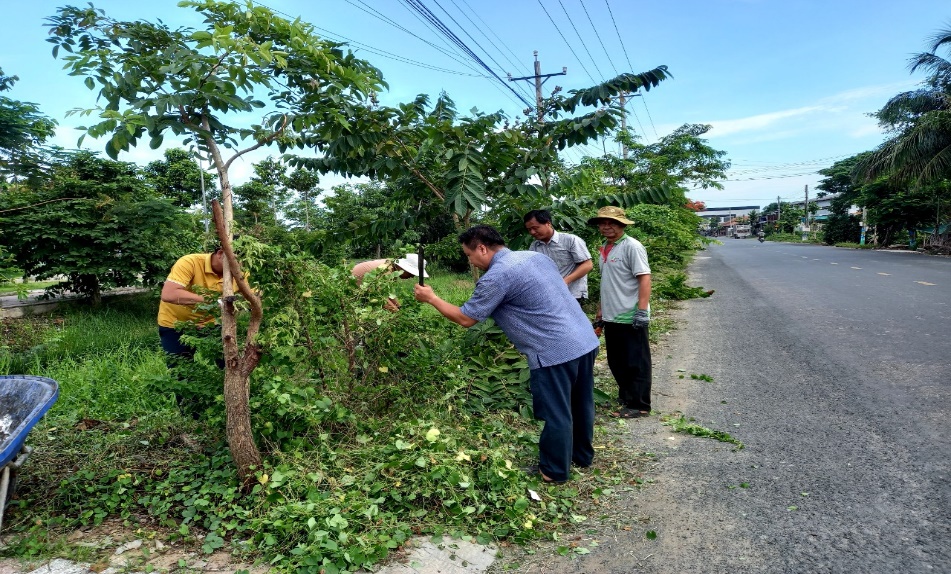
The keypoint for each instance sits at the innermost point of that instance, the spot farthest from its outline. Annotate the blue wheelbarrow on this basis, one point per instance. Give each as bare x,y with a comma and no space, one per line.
24,400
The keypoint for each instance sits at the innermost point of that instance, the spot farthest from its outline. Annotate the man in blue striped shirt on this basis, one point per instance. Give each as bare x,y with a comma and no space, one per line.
526,296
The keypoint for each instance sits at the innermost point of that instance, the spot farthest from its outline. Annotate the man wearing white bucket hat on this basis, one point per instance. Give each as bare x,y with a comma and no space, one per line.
409,265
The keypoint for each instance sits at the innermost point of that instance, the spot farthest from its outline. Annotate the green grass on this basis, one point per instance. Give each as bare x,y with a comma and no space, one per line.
850,245
29,346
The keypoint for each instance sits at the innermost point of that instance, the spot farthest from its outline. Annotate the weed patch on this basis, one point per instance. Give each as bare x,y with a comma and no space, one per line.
682,424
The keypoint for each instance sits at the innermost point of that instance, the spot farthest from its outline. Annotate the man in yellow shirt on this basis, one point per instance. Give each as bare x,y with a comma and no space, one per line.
178,301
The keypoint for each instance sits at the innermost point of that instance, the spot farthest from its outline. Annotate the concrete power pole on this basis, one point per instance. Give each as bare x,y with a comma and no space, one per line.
623,101
779,212
539,78
805,219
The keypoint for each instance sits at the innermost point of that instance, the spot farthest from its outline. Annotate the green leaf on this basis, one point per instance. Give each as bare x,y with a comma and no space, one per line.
90,83
650,534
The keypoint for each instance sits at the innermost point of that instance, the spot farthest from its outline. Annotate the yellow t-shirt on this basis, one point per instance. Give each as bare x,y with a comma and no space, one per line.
194,269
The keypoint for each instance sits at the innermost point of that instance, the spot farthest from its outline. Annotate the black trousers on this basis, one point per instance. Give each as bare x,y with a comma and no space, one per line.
629,358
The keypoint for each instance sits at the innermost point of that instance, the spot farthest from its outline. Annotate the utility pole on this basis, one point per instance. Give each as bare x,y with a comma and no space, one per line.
622,99
805,219
863,226
779,212
539,78
623,122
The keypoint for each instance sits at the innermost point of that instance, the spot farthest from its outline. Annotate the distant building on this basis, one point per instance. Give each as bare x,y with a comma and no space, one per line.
725,217
824,204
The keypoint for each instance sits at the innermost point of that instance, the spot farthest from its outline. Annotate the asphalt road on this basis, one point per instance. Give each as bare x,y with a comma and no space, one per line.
833,367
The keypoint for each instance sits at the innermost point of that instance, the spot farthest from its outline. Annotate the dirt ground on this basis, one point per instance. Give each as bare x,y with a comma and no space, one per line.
618,537
117,547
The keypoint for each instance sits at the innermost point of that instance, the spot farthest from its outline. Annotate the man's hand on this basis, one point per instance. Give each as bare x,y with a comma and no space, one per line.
392,305
641,319
598,327
423,293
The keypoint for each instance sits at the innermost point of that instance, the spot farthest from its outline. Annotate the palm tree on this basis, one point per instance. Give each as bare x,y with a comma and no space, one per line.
920,151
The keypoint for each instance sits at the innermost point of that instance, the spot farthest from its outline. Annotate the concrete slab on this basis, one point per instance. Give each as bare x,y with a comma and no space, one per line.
449,557
60,566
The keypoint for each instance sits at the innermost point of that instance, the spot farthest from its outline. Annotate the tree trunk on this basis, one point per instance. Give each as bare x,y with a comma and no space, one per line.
238,365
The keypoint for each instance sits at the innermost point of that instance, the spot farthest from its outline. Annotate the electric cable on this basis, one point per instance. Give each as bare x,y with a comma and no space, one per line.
487,27
618,32
580,39
380,16
593,81
466,32
443,29
397,57
598,36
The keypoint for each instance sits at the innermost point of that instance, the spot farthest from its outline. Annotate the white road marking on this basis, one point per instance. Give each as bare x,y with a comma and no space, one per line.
856,268
925,283
885,274
833,263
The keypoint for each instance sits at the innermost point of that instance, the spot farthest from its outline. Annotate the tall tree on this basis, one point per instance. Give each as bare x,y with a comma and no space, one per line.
179,177
23,129
304,184
96,223
154,80
468,165
920,150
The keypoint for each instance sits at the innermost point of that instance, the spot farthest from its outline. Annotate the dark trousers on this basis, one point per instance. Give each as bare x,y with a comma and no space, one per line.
563,397
629,357
172,343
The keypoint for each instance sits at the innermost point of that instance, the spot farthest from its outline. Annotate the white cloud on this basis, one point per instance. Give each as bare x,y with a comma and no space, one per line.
760,121
843,107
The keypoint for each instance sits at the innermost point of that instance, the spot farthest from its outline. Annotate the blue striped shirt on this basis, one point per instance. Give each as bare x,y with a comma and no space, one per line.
525,294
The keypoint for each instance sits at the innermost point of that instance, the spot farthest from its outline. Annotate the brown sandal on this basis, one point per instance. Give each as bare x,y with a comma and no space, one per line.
628,413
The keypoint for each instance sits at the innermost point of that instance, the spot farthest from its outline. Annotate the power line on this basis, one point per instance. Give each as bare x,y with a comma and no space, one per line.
807,161
397,57
653,127
598,36
421,8
484,51
593,81
380,16
583,45
501,42
771,177
631,67
618,32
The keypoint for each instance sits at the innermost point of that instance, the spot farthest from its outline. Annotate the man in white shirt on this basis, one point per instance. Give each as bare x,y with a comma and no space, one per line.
569,252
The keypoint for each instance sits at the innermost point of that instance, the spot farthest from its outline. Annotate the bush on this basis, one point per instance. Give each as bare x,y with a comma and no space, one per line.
669,234
842,228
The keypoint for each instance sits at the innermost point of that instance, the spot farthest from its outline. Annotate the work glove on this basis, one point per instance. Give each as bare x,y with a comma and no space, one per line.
641,319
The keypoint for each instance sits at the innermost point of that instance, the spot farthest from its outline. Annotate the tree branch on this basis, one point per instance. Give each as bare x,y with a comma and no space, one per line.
40,203
261,143
251,348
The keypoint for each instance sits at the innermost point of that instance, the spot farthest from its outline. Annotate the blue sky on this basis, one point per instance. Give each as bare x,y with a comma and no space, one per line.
787,85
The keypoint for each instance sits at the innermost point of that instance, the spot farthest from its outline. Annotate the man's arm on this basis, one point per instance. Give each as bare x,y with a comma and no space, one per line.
580,271
178,295
425,294
643,291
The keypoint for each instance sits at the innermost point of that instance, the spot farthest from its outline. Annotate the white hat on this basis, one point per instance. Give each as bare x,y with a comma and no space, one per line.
410,264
